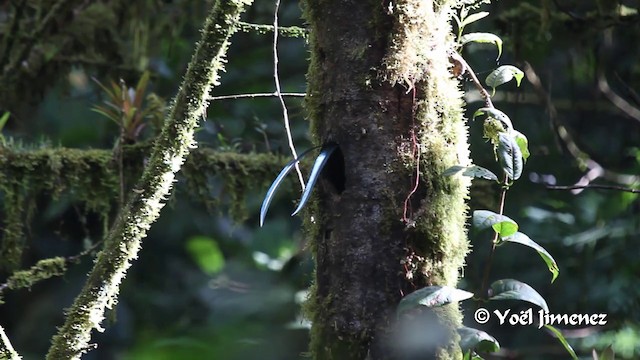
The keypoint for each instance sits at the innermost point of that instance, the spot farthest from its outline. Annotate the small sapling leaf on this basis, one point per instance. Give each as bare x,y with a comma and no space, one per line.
432,296
505,228
509,156
477,340
523,239
523,144
473,171
483,38
509,289
503,75
485,219
496,114
473,18
558,335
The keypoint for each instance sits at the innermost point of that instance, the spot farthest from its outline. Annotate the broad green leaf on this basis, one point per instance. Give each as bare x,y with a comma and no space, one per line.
523,239
206,253
473,171
318,165
432,296
505,228
473,18
276,184
477,340
523,144
563,341
509,289
496,114
509,156
503,75
483,38
485,219
4,119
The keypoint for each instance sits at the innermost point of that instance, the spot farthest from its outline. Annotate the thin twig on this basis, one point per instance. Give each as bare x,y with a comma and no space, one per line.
593,169
487,268
593,186
255,95
276,79
285,31
466,68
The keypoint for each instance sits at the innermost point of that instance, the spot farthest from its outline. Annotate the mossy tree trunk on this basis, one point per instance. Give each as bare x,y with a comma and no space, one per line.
380,86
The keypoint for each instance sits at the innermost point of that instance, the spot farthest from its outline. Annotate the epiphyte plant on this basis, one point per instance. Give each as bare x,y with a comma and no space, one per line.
324,155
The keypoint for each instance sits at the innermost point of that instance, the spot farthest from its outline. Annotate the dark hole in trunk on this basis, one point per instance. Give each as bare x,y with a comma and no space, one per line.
334,171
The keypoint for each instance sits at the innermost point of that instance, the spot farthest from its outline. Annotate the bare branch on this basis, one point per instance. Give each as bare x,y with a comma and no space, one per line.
285,113
255,95
593,186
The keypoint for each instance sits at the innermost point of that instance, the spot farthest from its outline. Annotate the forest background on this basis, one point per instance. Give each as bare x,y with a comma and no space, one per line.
209,280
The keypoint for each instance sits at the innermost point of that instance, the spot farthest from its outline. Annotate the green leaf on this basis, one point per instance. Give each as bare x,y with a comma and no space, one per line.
523,239
503,75
496,114
523,144
509,156
276,184
509,289
432,296
485,219
477,340
562,340
483,38
318,165
473,18
505,228
473,171
4,119
206,253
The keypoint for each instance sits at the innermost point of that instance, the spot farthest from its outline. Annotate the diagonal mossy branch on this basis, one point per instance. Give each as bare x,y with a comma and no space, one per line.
147,199
6,350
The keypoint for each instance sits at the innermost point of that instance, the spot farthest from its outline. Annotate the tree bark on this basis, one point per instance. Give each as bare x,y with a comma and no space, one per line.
380,87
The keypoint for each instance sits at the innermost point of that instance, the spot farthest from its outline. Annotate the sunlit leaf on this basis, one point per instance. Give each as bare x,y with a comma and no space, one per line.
485,219
563,341
509,289
473,171
505,228
206,253
477,340
503,75
496,114
3,119
523,239
523,144
483,38
473,18
318,165
509,156
140,90
276,184
432,296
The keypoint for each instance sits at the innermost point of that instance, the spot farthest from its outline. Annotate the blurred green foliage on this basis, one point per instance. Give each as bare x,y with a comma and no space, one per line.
207,287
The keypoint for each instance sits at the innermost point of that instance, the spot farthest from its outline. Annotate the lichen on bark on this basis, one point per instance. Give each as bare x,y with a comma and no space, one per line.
123,241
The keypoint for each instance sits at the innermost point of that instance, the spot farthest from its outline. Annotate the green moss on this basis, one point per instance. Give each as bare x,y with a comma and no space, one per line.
42,270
